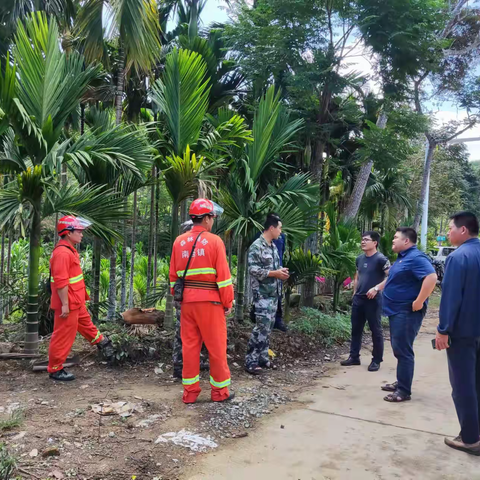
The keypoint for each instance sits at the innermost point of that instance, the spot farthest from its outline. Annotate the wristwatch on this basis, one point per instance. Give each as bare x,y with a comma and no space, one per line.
375,288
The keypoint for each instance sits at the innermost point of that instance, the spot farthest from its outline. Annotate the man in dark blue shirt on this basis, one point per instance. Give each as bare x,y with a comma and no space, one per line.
410,282
459,328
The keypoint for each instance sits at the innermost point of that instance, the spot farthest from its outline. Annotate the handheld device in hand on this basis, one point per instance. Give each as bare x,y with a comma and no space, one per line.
434,343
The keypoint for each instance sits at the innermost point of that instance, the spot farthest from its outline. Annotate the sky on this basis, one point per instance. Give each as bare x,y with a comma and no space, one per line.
215,11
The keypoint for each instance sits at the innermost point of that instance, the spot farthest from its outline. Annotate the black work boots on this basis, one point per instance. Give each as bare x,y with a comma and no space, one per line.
106,349
62,376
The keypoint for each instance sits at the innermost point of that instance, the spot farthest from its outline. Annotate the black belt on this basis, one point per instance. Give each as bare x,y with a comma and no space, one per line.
200,285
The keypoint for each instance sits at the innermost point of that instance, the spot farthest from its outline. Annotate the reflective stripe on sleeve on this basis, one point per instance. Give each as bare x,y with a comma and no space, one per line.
72,280
96,338
225,283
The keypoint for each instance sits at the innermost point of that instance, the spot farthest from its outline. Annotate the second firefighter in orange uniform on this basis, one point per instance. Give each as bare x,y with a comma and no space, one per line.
207,297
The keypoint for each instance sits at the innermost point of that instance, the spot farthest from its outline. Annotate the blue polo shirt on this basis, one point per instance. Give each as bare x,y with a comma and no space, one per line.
460,306
405,281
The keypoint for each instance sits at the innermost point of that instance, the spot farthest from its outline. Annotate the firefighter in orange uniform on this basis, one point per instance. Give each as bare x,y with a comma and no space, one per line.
207,298
69,295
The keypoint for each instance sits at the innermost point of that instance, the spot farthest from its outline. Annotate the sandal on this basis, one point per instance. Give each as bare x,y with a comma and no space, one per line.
254,370
397,397
390,387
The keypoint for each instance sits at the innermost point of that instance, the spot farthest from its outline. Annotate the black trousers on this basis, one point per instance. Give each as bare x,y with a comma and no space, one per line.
365,310
464,370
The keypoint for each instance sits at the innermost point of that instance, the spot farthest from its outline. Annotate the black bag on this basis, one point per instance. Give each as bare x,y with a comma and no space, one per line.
180,283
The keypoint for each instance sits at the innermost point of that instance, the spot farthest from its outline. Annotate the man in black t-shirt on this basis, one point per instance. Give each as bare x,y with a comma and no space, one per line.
370,278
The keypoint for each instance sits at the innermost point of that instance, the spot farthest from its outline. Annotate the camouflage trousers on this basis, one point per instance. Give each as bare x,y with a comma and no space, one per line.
259,343
177,356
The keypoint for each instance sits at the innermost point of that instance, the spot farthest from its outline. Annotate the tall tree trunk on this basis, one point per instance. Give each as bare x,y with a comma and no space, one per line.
120,88
31,333
175,225
123,287
355,200
132,257
112,286
82,118
9,264
96,264
173,235
426,175
241,271
155,241
151,234
2,269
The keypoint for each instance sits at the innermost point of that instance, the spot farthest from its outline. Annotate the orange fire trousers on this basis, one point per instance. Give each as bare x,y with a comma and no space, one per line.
204,322
64,333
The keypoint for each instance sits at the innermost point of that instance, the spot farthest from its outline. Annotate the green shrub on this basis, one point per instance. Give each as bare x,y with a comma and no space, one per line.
14,421
8,464
329,329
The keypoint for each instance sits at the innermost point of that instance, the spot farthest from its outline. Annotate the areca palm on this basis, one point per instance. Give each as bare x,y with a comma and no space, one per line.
194,144
134,24
250,191
38,91
387,195
339,251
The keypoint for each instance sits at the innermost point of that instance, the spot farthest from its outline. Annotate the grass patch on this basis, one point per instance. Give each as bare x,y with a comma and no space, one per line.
15,420
328,329
8,463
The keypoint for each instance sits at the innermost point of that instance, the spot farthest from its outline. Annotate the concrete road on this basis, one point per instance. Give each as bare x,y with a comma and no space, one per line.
346,431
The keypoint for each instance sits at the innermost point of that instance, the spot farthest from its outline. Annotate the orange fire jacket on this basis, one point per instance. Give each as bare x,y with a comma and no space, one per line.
208,277
65,270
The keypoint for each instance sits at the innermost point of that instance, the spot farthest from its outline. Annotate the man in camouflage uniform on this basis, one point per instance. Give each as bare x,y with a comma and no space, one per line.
177,356
266,282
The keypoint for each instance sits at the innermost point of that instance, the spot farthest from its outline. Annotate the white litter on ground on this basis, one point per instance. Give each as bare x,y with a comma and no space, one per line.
148,421
186,439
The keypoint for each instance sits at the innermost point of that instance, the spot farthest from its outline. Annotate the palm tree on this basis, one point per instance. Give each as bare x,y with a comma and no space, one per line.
339,251
250,191
194,144
191,145
134,23
38,92
387,195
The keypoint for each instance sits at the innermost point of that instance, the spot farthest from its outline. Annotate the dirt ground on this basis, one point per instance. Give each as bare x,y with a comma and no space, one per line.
90,446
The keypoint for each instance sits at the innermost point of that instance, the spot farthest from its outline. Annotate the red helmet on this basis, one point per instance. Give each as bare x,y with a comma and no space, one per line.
70,223
201,207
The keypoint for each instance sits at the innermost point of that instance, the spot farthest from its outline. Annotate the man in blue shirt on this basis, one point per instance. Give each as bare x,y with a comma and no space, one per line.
459,328
410,282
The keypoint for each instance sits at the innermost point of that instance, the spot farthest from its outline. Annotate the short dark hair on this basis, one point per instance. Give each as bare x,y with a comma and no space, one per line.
467,220
272,221
375,236
408,232
197,220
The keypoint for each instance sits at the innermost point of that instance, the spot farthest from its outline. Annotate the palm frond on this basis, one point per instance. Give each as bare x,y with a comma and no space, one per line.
50,82
103,207
182,97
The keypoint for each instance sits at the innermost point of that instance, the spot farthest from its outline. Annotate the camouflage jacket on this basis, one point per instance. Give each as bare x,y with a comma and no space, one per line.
262,258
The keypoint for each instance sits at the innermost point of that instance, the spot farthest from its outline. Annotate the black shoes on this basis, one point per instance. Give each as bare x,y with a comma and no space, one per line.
374,367
106,348
350,361
280,325
62,376
230,397
177,372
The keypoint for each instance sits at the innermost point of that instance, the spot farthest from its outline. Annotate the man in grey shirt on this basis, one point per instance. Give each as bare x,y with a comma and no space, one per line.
372,269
